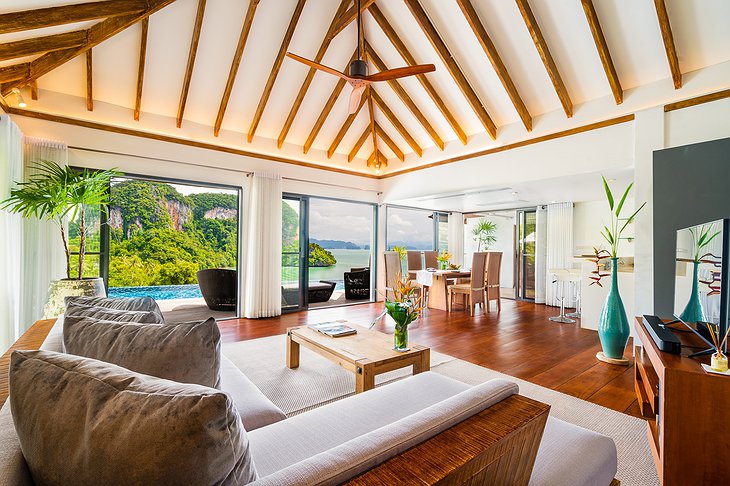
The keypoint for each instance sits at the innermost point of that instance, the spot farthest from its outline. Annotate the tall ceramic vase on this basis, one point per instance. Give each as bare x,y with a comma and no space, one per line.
613,325
693,311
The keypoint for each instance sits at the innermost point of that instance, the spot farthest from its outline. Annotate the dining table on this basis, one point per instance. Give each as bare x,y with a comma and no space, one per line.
437,283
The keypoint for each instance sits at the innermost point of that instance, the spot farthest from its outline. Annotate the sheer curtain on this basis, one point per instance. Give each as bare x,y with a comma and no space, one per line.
43,257
456,238
559,248
262,269
11,170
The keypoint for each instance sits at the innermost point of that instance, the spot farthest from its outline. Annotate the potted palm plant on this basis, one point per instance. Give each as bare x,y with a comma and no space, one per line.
484,234
61,194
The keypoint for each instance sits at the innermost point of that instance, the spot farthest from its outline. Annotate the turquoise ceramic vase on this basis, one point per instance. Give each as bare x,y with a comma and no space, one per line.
693,311
613,325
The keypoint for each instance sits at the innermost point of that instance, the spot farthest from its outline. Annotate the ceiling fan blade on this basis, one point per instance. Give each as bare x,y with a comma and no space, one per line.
401,72
315,65
355,97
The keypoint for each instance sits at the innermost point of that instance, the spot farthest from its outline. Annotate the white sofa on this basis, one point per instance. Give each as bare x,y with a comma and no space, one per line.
338,441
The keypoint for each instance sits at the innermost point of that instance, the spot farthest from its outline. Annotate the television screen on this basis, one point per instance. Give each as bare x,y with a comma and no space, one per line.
698,289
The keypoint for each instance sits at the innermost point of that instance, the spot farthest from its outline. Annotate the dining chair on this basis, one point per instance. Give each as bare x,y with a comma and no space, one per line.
414,262
491,286
429,257
392,272
473,290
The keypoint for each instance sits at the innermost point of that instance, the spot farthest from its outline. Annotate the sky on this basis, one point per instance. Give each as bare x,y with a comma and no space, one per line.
337,220
413,227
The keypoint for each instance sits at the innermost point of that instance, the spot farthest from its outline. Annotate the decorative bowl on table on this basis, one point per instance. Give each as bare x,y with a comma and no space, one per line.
453,266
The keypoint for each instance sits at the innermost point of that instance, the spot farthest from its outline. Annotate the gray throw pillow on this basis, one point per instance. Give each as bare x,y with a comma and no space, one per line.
85,422
107,314
187,352
146,304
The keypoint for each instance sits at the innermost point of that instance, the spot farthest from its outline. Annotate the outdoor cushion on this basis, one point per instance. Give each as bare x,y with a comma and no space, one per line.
146,304
186,352
573,456
107,314
319,447
85,422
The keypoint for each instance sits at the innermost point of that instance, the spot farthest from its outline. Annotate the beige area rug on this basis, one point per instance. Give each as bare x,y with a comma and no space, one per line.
318,381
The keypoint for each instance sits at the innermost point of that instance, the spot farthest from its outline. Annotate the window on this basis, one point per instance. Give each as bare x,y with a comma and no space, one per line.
410,228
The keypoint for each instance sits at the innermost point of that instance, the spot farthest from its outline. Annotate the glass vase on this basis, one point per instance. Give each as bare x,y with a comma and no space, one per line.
400,339
719,362
442,265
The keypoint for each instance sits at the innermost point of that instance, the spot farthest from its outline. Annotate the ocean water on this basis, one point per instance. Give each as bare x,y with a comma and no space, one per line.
346,259
158,292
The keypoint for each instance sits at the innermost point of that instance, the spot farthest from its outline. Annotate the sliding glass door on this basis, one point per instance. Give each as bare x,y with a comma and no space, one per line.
293,253
526,231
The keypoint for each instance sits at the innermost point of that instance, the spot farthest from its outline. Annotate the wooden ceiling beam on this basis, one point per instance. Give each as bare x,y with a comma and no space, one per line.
89,81
235,63
490,50
668,38
411,61
275,69
547,59
358,145
14,72
440,47
192,53
41,45
404,97
34,90
67,14
336,91
395,122
371,113
389,142
349,16
96,34
140,68
346,126
377,156
600,40
310,75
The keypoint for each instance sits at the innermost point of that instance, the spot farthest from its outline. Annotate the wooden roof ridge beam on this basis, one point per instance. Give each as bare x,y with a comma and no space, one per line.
410,60
275,69
89,81
377,155
600,41
395,122
349,16
440,47
346,126
310,75
389,142
68,14
668,39
140,71
192,54
235,63
404,97
472,18
358,144
96,34
547,59
327,109
14,72
41,45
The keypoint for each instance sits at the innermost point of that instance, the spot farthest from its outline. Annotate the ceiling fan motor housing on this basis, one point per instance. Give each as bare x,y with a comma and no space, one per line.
358,68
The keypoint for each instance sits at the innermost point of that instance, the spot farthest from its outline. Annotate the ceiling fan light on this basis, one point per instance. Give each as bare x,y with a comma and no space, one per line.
19,97
358,68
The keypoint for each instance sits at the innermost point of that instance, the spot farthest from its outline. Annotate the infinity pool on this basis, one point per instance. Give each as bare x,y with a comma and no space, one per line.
158,292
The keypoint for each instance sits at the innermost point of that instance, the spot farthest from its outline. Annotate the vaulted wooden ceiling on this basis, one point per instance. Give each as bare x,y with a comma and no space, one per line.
217,69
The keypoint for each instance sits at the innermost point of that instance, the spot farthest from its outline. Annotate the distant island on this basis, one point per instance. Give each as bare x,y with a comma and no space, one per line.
338,244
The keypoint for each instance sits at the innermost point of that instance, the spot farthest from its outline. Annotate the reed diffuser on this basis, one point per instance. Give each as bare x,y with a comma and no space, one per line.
719,360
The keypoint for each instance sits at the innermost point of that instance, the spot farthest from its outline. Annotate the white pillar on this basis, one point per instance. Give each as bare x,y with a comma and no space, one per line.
456,238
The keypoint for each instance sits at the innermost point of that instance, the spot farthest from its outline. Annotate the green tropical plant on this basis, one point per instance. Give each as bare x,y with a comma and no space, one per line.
701,238
401,251
59,194
613,234
484,234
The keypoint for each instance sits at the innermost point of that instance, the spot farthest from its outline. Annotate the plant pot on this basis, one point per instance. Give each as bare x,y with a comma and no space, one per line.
71,287
613,325
693,311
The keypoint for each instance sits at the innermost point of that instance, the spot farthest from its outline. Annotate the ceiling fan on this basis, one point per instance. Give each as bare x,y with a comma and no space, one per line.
358,76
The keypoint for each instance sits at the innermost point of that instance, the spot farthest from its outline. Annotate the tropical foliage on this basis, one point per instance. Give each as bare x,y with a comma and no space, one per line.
484,234
613,234
701,237
318,256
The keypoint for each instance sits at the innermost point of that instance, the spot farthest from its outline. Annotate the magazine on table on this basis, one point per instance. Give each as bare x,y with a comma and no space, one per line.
334,329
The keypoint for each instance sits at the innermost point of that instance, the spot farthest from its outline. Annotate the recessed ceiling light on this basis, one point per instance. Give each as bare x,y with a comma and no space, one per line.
553,202
514,193
611,180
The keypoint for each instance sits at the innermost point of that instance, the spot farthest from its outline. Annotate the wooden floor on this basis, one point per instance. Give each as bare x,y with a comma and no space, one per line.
519,341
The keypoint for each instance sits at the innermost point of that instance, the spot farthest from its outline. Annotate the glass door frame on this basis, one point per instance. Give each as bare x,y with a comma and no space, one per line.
520,256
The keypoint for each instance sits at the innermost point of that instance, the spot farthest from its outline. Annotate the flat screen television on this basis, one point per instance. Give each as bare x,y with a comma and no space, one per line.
701,287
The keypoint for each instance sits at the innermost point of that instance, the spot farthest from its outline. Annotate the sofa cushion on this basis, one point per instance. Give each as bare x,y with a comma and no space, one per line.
145,304
104,313
573,456
254,408
13,468
54,339
85,422
340,462
187,352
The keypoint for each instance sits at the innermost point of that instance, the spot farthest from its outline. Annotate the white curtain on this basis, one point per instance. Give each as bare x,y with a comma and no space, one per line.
540,254
11,170
559,249
262,267
456,238
43,257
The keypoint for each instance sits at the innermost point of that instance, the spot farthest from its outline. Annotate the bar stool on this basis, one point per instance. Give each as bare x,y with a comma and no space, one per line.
575,289
561,276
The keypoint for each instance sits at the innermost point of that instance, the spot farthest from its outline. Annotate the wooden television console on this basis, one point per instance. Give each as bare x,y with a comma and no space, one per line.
687,411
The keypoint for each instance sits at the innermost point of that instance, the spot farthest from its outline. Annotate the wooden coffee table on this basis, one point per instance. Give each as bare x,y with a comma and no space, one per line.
367,353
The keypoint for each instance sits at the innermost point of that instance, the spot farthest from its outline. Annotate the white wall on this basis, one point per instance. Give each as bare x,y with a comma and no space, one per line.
505,243
588,220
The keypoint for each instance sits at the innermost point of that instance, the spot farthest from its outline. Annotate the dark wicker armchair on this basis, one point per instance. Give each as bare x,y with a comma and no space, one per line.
219,287
357,284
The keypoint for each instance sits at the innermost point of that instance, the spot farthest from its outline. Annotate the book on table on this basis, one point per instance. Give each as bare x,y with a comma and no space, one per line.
333,329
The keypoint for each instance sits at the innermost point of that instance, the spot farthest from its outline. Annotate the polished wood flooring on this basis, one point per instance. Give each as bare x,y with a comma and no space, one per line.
518,341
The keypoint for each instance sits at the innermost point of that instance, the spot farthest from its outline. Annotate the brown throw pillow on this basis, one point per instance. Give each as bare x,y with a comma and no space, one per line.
187,353
84,422
107,314
145,304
